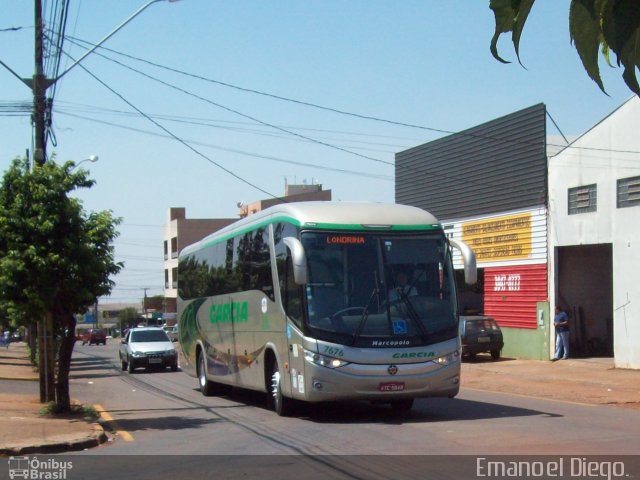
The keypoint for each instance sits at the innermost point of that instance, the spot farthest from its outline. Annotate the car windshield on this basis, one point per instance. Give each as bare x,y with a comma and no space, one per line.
379,290
473,326
149,336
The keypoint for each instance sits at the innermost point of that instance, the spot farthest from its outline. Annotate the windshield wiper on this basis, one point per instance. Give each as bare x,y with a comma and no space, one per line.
365,313
412,314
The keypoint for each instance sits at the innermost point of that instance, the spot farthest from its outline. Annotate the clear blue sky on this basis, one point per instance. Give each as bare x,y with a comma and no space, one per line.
421,62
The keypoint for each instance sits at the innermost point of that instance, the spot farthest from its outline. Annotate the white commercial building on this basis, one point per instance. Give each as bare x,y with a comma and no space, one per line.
594,228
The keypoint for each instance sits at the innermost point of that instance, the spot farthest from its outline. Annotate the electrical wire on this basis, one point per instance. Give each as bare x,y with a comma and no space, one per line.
175,137
241,114
325,108
240,152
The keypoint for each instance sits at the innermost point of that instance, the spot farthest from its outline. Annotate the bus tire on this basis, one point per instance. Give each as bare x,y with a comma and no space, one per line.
206,386
278,402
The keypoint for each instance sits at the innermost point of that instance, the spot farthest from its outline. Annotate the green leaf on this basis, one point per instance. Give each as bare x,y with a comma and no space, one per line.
510,16
621,31
585,33
518,24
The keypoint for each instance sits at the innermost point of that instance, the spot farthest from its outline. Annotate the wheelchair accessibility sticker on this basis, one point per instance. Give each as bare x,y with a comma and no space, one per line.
399,327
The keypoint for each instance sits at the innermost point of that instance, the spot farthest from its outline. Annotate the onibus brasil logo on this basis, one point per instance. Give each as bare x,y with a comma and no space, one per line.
32,468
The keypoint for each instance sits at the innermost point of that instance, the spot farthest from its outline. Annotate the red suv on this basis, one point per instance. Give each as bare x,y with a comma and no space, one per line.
94,335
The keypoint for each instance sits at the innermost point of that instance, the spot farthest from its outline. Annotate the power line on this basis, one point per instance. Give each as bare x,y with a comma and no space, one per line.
322,107
240,152
244,115
174,136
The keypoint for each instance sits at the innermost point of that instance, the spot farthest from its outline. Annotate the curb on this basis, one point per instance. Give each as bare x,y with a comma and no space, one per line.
98,438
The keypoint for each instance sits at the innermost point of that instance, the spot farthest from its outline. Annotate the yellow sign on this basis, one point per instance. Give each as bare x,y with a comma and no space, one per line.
500,238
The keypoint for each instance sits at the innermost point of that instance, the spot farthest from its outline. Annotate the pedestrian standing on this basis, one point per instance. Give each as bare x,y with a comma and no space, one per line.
561,323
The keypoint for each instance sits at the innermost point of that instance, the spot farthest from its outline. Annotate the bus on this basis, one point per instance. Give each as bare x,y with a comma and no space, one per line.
324,301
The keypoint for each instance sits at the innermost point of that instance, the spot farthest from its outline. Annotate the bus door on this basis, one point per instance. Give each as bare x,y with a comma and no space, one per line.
293,306
296,360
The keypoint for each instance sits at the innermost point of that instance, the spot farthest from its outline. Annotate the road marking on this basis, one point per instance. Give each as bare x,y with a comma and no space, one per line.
126,436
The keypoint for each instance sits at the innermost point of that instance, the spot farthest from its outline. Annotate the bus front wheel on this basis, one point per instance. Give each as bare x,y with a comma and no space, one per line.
278,402
206,387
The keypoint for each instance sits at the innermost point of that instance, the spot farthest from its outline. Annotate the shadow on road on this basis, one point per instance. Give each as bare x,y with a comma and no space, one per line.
424,411
164,423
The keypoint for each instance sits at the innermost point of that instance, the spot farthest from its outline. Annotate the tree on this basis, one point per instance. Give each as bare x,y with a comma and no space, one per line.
606,25
128,317
55,259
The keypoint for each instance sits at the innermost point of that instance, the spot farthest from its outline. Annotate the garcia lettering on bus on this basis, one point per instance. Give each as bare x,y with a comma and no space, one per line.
414,355
229,312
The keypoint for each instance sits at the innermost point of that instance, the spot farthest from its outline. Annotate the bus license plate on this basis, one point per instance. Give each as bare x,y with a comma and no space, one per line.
483,339
391,386
155,360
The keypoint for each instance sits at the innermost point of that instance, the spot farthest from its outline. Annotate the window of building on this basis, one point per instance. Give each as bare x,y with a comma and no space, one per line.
583,199
174,277
166,250
174,247
166,278
628,192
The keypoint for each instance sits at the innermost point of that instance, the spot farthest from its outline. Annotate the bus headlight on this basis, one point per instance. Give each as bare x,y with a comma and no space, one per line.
324,361
447,359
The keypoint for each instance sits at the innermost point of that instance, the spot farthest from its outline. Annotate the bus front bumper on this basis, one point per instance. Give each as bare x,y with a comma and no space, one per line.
379,382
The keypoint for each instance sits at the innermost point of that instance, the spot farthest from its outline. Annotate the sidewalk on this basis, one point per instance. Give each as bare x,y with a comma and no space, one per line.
592,381
22,429
589,381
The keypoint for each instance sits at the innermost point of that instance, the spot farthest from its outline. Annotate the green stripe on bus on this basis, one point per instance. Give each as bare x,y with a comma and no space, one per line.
323,226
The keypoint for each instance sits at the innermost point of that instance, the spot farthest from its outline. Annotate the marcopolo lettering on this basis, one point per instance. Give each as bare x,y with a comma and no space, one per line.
414,355
235,312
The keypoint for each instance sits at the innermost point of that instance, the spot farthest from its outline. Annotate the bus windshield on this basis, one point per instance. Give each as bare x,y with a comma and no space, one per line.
379,290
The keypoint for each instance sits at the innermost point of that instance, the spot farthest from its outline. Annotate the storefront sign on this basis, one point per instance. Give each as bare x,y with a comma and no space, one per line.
500,238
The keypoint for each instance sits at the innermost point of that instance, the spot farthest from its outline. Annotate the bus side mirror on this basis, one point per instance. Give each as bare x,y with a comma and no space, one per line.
298,260
469,260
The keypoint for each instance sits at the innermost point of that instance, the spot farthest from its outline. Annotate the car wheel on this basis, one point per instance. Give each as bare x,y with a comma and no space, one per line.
278,402
174,367
130,367
124,365
495,354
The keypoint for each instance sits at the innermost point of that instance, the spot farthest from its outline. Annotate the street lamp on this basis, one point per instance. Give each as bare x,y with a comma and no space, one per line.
92,159
108,36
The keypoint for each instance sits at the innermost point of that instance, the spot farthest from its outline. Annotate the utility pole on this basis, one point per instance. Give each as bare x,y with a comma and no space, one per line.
39,120
40,84
144,306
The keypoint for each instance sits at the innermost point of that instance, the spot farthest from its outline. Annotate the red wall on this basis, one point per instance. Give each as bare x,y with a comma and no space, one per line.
511,293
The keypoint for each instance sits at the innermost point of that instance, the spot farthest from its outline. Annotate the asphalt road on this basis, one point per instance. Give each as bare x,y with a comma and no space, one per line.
163,413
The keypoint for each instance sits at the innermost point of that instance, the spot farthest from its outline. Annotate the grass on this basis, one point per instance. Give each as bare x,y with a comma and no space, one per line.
86,412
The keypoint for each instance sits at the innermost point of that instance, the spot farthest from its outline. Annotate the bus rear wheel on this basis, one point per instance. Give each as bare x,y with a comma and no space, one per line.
278,402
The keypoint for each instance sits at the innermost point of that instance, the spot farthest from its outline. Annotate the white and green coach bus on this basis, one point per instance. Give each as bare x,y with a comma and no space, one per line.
324,301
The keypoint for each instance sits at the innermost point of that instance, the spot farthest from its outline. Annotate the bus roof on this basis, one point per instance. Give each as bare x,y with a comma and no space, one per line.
330,215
